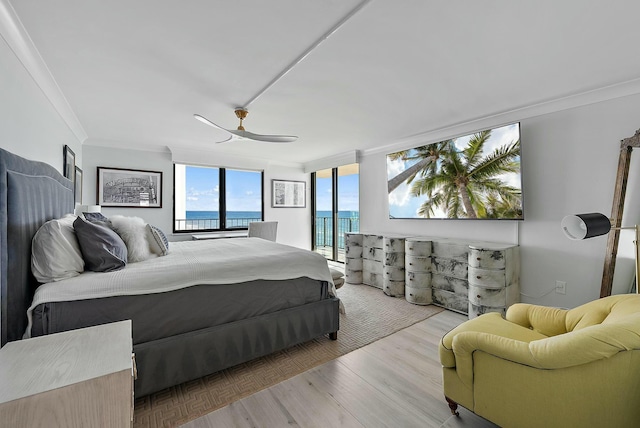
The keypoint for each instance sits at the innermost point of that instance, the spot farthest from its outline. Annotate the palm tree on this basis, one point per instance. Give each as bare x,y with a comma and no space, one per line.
466,181
428,160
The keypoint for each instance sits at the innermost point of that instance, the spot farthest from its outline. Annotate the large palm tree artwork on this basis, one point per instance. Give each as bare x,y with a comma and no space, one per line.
476,176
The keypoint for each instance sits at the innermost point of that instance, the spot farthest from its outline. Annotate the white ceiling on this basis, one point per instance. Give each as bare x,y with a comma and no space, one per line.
135,72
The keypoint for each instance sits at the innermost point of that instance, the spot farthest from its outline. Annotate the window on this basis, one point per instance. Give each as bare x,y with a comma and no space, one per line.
210,199
336,209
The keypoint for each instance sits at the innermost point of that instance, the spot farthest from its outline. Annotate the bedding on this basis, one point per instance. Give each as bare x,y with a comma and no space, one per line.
33,193
171,313
55,253
190,263
102,249
133,232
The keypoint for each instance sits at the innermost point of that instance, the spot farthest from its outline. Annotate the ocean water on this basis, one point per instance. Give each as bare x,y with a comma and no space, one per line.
348,221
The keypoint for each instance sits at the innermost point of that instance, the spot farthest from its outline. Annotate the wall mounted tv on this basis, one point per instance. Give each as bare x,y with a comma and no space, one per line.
475,176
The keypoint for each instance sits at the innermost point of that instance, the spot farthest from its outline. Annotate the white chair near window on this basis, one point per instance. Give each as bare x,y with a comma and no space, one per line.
263,229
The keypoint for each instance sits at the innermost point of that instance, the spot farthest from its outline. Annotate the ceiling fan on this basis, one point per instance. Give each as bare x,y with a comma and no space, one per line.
242,134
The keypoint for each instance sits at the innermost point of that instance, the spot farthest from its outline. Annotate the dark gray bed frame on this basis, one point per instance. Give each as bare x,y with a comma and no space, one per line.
32,193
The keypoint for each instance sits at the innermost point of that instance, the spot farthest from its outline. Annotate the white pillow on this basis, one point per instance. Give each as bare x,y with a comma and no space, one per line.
55,252
158,241
133,232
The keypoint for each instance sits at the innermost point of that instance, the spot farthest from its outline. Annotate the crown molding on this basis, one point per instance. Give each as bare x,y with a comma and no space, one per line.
606,93
19,41
333,161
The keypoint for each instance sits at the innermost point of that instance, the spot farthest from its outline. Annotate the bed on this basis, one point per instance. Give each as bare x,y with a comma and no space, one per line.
185,325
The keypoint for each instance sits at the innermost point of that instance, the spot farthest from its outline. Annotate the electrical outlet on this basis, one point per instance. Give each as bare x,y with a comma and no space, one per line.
561,287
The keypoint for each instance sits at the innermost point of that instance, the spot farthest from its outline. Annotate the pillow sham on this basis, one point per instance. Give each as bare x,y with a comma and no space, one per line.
102,249
158,242
98,218
55,252
133,232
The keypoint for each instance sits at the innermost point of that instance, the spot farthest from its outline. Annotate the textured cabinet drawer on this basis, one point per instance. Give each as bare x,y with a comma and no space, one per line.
394,259
418,296
393,288
373,279
449,267
393,273
477,310
372,266
353,264
372,253
486,277
417,248
449,300
372,241
353,276
417,279
481,296
451,250
395,245
352,251
487,258
449,283
354,239
417,264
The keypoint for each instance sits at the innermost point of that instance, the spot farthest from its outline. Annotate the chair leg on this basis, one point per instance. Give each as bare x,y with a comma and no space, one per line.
452,405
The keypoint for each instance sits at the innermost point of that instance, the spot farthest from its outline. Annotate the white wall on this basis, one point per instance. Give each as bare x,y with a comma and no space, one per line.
294,224
29,125
95,156
569,162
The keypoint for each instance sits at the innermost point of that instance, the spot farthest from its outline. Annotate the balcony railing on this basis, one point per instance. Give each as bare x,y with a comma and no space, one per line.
324,230
212,223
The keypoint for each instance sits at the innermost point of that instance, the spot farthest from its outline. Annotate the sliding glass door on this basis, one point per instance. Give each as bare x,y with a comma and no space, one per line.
336,209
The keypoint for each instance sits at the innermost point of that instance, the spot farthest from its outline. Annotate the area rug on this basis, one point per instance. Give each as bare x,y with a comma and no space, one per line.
370,315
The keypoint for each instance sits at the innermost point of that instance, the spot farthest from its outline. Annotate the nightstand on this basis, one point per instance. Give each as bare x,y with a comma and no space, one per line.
79,378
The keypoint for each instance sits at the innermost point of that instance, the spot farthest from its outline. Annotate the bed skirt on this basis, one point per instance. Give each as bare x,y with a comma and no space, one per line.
170,361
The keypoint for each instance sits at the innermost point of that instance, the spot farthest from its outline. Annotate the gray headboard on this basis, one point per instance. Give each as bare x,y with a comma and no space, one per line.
31,193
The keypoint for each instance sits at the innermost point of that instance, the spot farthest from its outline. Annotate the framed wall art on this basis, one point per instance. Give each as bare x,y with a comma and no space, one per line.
288,194
118,187
77,188
69,162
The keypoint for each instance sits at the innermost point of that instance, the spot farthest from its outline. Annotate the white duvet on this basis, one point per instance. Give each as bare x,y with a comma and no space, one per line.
216,261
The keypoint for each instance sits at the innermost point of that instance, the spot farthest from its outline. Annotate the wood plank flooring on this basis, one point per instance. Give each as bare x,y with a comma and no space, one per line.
394,382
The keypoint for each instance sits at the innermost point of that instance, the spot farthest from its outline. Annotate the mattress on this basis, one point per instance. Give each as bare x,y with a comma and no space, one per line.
171,313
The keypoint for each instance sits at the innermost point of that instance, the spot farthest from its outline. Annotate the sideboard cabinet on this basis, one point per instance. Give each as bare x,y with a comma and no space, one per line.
470,277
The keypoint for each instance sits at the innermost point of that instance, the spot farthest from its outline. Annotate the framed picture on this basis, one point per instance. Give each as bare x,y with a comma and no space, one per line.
69,165
77,191
288,194
131,188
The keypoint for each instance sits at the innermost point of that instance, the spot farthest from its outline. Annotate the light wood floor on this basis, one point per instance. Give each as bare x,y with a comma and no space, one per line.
394,382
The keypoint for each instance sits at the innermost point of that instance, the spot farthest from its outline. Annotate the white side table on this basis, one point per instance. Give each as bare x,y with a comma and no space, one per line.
79,378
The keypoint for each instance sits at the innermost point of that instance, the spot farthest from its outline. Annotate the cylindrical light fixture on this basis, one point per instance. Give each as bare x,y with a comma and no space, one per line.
584,226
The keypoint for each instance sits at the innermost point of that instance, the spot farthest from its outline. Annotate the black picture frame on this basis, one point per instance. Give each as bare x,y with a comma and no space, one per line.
130,188
77,186
288,194
69,163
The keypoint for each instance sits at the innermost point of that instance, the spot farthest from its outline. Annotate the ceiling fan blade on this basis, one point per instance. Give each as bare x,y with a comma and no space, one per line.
266,138
208,122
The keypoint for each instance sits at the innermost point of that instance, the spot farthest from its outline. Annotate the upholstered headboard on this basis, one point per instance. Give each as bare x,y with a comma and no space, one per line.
31,193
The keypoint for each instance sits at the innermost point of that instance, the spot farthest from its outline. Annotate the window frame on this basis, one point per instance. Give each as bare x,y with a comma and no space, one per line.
222,202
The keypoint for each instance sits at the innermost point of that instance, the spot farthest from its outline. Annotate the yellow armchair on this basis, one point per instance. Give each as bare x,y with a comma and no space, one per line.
547,367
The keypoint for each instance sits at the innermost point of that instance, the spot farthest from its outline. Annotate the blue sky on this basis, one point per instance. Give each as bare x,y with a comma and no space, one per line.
403,205
348,193
203,189
243,191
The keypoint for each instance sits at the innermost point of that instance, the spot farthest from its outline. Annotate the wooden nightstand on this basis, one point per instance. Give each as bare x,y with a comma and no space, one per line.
79,378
